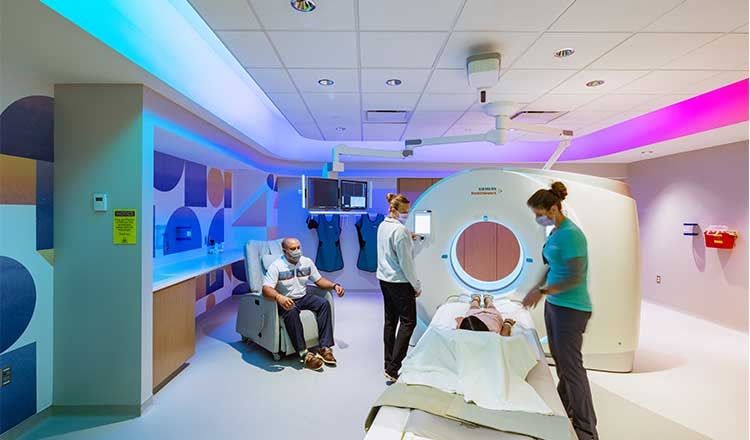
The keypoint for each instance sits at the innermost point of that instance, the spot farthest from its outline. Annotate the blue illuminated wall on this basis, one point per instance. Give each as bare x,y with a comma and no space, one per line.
195,202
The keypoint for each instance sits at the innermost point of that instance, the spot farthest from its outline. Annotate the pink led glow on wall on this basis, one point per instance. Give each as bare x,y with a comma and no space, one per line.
718,108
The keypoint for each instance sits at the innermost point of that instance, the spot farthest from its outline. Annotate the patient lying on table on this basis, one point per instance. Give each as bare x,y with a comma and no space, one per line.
484,320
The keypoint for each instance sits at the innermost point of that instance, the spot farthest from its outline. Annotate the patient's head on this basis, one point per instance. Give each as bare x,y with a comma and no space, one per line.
292,249
473,323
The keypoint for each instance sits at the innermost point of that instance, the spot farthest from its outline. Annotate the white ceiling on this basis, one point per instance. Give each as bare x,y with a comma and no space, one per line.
650,53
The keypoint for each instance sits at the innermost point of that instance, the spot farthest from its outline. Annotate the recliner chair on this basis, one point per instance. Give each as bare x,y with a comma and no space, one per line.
258,318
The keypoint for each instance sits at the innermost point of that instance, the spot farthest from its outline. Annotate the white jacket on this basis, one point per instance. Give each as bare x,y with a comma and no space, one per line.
395,254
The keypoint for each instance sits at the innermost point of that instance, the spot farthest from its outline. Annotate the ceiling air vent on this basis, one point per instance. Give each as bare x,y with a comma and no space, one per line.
538,117
386,116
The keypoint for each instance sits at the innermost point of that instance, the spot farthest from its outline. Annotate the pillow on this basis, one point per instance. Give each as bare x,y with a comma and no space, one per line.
267,260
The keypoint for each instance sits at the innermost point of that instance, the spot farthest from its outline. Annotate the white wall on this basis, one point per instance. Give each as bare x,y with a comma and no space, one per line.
707,187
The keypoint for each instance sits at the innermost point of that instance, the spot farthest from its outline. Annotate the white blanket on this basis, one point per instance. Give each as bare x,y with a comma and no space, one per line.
486,368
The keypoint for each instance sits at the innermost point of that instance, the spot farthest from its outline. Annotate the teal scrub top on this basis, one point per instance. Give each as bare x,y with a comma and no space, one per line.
565,243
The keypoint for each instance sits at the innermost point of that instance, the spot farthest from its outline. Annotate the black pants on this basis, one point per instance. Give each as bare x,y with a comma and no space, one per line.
565,329
400,309
322,310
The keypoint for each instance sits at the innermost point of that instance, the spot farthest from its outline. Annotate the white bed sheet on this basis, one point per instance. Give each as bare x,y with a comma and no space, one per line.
484,367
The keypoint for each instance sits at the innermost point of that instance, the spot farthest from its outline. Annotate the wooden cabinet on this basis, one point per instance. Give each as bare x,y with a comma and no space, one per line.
174,329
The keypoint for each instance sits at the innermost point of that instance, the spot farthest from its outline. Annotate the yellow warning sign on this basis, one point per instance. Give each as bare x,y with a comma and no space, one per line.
124,226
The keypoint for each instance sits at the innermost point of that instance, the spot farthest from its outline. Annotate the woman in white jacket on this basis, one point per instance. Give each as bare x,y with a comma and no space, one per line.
398,282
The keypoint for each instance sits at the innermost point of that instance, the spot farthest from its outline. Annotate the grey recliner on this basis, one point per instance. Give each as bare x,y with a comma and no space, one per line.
258,317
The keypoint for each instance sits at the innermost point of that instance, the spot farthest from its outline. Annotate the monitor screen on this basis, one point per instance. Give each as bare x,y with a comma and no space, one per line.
422,223
353,194
322,193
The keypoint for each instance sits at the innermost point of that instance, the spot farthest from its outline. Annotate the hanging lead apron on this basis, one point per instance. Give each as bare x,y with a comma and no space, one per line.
329,258
367,230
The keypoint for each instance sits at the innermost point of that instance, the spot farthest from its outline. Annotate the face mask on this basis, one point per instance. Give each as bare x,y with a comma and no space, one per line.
402,217
295,255
543,220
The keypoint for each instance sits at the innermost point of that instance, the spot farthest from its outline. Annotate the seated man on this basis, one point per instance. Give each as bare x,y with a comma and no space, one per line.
489,319
285,282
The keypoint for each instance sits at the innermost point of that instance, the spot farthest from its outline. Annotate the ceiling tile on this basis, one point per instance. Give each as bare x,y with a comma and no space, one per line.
449,81
251,49
329,15
728,52
714,82
334,108
703,16
344,80
292,107
412,81
510,15
657,103
650,51
434,118
310,131
581,118
400,49
461,45
588,47
463,130
389,101
531,81
430,124
560,102
667,81
520,98
320,49
478,119
612,15
742,29
617,103
445,103
272,80
226,14
381,15
613,79
382,132
352,131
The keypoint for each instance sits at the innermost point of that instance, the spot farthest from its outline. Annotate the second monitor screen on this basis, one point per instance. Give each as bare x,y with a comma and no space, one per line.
353,194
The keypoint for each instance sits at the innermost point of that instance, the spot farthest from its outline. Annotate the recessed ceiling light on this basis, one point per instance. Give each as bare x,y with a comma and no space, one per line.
325,82
595,83
341,129
303,5
393,82
562,53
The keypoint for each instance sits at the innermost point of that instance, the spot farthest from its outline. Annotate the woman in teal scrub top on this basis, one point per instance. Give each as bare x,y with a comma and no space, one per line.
567,308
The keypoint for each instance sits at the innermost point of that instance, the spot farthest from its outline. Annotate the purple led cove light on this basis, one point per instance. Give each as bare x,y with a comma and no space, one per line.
718,108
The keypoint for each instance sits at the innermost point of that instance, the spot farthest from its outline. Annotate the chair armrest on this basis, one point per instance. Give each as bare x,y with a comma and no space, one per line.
327,295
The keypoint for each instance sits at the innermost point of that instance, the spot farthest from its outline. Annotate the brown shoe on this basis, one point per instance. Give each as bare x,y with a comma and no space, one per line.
327,355
312,361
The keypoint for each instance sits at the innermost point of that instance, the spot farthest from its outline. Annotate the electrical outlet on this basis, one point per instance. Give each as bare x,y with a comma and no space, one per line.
5,377
658,279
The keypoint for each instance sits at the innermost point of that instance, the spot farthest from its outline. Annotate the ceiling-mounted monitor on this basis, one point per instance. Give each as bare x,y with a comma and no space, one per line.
354,194
321,193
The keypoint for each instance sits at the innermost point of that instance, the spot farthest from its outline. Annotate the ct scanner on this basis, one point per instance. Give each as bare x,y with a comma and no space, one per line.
602,208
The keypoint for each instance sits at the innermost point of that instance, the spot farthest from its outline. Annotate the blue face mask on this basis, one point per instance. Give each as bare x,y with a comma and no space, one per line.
295,255
543,220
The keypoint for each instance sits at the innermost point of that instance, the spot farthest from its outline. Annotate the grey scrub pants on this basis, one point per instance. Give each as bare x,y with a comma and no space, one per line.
565,329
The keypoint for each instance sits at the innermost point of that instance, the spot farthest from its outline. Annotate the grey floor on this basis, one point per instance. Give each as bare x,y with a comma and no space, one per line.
236,391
